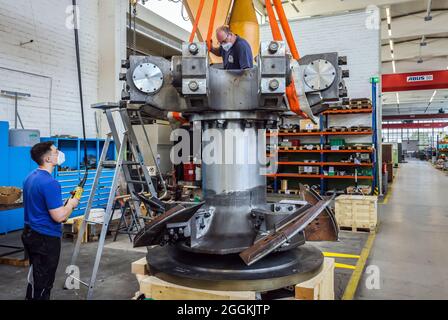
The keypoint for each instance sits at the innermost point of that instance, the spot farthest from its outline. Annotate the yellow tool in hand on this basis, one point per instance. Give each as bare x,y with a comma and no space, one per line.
76,194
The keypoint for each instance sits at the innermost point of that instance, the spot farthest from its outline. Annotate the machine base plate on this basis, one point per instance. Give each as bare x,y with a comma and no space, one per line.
230,273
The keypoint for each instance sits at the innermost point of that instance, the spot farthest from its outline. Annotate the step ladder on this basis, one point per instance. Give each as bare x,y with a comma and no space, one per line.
128,138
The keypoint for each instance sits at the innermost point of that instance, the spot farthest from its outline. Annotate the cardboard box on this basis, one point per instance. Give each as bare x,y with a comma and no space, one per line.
308,125
9,195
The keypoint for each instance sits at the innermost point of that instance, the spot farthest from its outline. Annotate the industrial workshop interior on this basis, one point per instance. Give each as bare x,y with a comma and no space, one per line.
249,150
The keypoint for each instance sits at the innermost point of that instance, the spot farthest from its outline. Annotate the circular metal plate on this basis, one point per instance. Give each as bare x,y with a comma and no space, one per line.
319,74
230,273
148,78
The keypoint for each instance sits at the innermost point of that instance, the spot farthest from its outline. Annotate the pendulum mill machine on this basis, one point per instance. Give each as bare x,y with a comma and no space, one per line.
235,239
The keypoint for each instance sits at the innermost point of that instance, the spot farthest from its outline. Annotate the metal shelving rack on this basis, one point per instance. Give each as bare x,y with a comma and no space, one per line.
324,137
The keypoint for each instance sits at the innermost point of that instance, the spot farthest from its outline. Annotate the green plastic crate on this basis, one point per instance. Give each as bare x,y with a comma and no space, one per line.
337,142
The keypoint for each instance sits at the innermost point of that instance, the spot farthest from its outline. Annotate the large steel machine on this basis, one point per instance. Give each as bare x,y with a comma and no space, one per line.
235,239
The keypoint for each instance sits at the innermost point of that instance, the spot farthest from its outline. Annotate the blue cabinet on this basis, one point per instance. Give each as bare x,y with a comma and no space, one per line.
16,164
72,171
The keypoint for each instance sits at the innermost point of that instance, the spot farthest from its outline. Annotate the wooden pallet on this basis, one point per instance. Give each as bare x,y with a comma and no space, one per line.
355,229
321,287
287,148
360,129
309,130
288,192
357,147
361,106
304,148
337,129
288,131
360,101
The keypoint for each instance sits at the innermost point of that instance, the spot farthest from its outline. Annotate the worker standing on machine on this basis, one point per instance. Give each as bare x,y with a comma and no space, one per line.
234,50
44,213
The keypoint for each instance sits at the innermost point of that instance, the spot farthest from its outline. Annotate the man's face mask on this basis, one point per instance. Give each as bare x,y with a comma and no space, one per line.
61,158
227,46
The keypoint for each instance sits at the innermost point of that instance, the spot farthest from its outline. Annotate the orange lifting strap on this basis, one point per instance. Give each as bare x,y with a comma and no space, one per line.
291,93
196,22
211,24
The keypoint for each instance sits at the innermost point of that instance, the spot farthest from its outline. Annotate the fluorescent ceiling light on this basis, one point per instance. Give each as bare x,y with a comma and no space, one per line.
398,98
393,66
391,44
389,21
388,15
433,95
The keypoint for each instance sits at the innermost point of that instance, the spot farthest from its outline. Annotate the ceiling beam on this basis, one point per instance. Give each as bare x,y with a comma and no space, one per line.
426,125
416,116
309,8
415,26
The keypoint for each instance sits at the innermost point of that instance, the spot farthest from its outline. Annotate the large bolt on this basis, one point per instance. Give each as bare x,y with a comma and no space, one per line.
342,60
274,84
193,85
125,64
193,48
273,47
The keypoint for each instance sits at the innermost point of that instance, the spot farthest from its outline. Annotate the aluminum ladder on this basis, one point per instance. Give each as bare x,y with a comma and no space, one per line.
128,138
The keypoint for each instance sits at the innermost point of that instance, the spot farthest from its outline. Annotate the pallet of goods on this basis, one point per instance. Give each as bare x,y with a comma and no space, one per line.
357,212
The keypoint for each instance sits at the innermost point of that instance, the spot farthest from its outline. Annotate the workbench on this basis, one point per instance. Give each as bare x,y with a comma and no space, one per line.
4,257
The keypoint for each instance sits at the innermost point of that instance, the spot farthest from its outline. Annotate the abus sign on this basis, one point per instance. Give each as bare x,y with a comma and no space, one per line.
428,77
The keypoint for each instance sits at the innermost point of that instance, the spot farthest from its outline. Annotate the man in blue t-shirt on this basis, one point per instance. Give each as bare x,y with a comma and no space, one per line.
234,50
44,213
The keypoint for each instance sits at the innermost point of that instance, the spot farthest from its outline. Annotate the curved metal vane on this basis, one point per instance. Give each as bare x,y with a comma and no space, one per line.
153,232
324,227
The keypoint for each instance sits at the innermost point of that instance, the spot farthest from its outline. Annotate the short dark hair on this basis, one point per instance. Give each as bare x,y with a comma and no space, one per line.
40,150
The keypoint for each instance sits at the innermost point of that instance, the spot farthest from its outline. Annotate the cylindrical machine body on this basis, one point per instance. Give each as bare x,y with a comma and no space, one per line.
233,182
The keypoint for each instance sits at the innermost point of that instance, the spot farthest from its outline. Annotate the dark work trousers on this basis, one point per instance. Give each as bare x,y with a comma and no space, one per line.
43,252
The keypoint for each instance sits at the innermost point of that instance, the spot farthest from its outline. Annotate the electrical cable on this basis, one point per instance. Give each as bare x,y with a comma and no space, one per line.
78,62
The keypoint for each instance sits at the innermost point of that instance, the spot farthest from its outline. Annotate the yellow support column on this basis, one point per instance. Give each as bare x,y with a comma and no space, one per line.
243,22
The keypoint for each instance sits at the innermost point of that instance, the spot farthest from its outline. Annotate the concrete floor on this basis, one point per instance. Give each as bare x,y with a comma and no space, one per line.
411,246
410,249
114,281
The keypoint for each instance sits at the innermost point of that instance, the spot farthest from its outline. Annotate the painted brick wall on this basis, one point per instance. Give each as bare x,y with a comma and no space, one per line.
46,68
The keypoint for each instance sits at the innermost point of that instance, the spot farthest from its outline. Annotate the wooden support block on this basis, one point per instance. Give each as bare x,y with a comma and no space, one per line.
321,287
139,267
15,262
157,289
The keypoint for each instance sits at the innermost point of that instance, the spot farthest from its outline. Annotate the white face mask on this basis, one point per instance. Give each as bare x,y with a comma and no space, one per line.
61,158
227,46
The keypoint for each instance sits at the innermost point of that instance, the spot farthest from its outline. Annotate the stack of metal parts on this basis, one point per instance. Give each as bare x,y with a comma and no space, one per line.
234,240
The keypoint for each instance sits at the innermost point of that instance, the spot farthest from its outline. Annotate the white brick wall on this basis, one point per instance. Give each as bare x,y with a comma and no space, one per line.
52,56
346,34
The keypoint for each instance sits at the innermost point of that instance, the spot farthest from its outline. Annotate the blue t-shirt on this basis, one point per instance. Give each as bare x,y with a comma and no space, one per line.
41,193
239,56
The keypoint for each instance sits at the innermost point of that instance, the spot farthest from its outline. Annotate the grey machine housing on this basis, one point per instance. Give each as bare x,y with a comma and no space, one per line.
235,213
